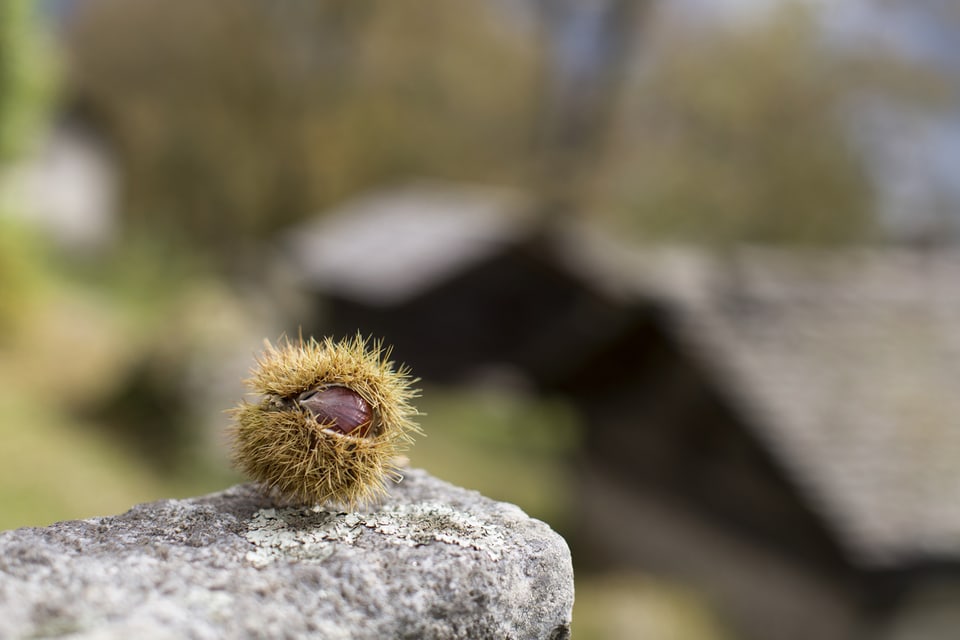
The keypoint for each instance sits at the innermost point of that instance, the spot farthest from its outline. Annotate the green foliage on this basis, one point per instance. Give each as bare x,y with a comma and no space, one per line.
741,135
508,446
71,449
627,606
25,76
233,118
21,277
52,470
24,92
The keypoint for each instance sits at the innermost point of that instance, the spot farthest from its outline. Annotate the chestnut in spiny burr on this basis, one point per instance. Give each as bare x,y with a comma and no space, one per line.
330,423
338,408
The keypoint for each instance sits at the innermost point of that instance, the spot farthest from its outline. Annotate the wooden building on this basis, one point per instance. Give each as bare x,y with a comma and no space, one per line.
778,429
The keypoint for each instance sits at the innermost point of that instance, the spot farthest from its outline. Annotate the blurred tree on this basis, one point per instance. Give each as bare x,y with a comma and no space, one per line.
742,135
588,49
233,118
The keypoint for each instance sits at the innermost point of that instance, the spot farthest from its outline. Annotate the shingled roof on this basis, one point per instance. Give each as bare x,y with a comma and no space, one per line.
847,365
390,245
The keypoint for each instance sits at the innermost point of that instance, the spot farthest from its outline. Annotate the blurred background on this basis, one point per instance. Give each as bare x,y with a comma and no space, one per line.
679,278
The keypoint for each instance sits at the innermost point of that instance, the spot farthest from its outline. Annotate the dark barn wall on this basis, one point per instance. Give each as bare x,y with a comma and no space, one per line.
657,422
758,592
517,308
673,482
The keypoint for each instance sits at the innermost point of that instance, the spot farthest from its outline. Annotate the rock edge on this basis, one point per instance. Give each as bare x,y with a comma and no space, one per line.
433,561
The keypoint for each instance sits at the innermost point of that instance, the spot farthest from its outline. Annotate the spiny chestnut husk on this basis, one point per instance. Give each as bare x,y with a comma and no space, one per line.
330,422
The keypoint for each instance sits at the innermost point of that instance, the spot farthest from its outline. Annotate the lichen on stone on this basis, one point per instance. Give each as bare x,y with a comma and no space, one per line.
312,534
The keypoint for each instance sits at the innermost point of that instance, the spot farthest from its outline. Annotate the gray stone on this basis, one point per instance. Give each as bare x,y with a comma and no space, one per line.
433,561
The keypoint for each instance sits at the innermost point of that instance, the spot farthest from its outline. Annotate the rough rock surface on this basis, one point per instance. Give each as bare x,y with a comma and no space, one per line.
433,561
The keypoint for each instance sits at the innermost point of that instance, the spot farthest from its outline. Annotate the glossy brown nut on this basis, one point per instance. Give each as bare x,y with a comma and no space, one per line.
338,408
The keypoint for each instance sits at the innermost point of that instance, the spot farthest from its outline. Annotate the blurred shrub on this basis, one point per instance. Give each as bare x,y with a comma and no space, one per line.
234,117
